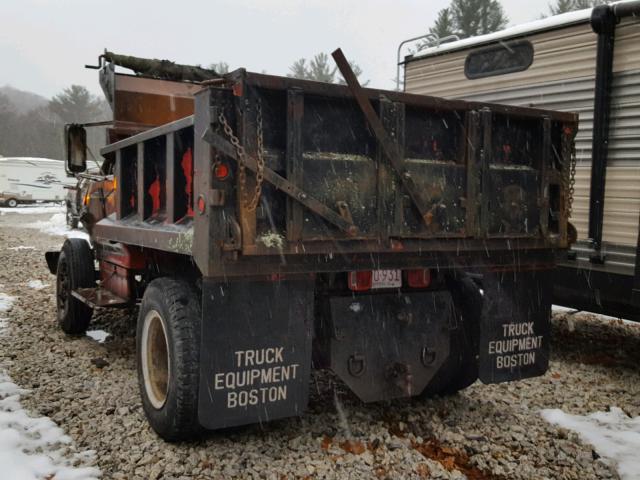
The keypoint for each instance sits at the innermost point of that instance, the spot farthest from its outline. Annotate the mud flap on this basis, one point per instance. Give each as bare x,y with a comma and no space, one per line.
515,326
255,355
386,346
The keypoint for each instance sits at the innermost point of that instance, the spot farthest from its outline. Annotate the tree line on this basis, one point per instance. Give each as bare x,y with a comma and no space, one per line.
469,18
39,132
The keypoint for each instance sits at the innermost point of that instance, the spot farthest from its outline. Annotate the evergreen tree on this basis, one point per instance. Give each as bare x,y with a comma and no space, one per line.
299,69
564,6
582,4
444,25
469,18
322,69
477,17
76,105
561,6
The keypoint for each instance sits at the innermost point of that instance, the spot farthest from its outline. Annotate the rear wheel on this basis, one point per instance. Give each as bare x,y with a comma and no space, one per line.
12,203
168,351
75,270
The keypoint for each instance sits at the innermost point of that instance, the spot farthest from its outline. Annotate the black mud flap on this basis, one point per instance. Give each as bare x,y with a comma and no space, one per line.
52,261
515,326
255,355
386,346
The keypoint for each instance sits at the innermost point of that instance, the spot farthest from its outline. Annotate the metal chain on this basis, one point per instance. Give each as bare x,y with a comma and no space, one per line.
572,179
260,160
569,174
242,160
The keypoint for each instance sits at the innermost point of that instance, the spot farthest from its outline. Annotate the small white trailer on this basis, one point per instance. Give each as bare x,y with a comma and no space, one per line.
27,179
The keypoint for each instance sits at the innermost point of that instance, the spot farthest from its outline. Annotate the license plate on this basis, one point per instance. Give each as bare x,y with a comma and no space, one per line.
386,279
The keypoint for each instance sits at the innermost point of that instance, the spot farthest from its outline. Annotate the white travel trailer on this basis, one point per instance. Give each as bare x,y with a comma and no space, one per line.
586,62
27,179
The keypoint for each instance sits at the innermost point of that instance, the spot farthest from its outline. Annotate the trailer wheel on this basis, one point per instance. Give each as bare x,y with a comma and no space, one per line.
75,270
168,354
461,368
12,203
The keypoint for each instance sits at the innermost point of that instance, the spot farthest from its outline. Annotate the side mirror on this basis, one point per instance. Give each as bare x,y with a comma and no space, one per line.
76,142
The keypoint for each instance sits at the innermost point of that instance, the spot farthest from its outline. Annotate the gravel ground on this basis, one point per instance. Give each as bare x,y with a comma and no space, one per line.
485,432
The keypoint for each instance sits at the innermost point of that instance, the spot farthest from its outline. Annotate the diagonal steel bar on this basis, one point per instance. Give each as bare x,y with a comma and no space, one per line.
389,146
224,146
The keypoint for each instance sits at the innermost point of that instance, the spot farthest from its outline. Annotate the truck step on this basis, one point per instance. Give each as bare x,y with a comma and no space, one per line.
99,297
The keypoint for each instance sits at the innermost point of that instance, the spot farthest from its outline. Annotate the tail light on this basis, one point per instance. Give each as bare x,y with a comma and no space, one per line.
360,281
420,278
276,277
221,171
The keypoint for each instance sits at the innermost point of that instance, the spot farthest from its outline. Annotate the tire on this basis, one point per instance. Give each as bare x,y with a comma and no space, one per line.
75,270
461,368
168,357
11,203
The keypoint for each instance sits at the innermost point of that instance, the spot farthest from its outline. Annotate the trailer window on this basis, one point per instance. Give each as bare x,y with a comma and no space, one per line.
506,57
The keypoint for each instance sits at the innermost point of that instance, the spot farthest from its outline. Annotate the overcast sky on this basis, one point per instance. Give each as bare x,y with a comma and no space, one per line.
44,44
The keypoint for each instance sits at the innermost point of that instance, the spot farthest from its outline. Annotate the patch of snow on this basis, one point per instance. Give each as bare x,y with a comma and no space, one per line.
57,225
35,209
22,247
598,316
5,302
34,447
614,435
355,307
515,31
272,240
98,335
37,284
561,309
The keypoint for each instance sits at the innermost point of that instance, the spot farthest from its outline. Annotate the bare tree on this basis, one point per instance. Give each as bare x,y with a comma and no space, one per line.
220,67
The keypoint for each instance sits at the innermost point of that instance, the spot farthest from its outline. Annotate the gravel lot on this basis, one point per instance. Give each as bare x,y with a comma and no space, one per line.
486,432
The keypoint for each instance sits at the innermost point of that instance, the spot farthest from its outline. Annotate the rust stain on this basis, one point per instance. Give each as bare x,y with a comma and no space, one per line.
452,459
422,470
353,447
599,359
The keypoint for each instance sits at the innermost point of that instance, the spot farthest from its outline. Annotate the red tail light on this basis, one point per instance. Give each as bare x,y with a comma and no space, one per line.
419,278
360,281
221,171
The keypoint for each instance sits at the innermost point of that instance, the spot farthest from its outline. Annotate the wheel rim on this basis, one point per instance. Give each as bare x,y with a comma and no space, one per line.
63,287
155,359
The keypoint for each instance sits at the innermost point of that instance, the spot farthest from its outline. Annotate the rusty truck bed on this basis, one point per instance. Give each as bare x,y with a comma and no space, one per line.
451,181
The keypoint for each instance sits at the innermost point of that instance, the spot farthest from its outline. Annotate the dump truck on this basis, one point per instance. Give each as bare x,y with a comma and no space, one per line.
268,225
